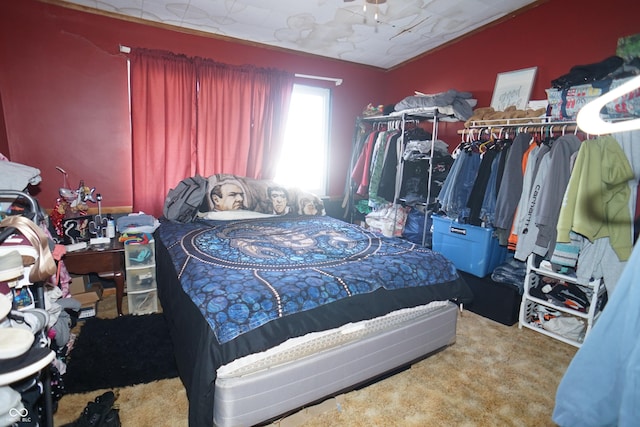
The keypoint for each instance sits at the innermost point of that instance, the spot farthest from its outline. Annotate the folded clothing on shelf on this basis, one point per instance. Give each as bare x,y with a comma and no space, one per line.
562,293
566,326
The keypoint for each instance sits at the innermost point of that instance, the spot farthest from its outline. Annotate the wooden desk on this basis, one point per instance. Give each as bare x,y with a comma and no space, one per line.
107,263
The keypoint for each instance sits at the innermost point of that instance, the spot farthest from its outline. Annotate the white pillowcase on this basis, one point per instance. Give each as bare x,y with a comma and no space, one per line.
233,214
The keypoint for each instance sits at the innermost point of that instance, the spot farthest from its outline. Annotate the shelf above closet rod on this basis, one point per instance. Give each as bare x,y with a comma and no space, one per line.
417,113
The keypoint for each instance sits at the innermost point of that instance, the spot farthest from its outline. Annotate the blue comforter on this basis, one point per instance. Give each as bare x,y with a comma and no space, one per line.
242,274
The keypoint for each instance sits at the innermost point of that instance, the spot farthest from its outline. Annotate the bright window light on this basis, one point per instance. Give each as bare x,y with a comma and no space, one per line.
303,163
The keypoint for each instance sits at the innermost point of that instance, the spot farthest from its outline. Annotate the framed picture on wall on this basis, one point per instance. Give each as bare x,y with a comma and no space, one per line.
513,88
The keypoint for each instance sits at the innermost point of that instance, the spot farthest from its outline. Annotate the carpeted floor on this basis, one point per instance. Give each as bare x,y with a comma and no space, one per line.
120,352
494,375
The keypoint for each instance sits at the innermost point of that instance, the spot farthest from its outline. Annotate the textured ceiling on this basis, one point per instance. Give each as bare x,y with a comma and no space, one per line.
338,29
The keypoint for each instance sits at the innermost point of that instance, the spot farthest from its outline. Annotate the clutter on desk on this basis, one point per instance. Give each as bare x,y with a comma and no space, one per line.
137,223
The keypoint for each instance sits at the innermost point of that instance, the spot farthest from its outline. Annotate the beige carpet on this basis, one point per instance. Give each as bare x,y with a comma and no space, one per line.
494,375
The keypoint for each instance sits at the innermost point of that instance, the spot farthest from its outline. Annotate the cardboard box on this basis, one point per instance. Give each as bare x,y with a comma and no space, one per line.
78,284
86,294
89,304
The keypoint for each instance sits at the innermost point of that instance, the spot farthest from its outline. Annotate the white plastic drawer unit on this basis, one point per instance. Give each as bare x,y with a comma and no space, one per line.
139,255
141,279
145,302
140,265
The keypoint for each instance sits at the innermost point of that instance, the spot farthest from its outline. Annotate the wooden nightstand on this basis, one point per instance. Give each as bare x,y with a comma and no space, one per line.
106,262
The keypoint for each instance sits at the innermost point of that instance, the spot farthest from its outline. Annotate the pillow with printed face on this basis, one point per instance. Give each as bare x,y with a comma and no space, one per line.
226,192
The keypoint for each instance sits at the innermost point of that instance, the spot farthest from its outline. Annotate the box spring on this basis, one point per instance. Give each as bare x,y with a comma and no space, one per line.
246,398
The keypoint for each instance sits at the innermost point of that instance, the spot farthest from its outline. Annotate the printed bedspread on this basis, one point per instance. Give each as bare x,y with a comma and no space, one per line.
242,274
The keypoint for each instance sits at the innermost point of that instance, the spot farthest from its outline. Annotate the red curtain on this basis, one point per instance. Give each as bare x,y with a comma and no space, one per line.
193,115
242,114
270,107
163,125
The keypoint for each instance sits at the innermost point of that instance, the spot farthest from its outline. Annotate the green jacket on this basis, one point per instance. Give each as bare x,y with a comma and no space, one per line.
595,203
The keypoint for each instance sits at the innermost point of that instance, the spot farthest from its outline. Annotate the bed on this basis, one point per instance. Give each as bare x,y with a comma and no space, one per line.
270,312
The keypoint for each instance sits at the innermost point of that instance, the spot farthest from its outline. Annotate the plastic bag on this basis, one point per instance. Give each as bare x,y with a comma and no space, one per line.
414,227
382,220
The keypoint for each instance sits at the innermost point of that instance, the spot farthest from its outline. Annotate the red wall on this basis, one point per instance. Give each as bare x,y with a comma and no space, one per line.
553,36
64,93
64,89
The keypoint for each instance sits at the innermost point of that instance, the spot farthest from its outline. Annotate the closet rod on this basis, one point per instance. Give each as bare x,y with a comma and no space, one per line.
552,127
416,114
337,81
516,122
539,123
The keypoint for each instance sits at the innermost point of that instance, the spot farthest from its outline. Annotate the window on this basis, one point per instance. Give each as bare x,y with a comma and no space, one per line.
303,162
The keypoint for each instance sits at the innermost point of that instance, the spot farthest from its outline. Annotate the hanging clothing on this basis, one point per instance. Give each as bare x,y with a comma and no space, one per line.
478,191
598,259
600,386
379,159
524,227
630,143
387,184
447,186
375,172
538,233
512,239
509,195
360,173
488,208
457,187
552,192
597,197
506,147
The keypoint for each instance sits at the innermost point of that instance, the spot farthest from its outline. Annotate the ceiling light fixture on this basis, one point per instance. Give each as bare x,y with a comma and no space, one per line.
375,14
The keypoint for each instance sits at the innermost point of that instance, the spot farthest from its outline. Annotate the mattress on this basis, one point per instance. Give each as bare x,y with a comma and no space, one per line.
260,387
188,278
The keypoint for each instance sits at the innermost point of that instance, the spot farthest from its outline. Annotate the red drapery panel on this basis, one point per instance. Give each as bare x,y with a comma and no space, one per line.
163,125
224,119
242,114
272,95
193,115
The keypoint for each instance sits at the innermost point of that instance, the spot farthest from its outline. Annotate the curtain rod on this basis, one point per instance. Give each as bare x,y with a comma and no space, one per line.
338,82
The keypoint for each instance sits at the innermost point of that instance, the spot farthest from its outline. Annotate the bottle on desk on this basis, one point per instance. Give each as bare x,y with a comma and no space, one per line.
111,227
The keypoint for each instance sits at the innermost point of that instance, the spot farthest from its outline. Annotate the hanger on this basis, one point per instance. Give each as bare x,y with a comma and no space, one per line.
589,119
